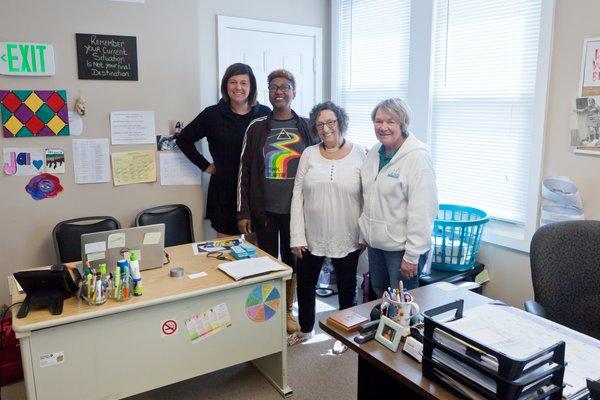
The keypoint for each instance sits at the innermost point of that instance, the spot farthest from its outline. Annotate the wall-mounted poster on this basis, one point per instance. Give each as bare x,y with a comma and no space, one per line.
107,57
34,113
590,68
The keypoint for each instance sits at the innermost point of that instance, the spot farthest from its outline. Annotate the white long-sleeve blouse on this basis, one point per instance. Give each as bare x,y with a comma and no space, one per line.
327,203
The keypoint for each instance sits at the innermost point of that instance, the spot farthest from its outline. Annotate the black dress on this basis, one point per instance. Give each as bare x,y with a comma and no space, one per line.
224,131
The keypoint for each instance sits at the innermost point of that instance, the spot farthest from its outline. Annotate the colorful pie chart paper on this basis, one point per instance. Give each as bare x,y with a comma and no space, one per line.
262,303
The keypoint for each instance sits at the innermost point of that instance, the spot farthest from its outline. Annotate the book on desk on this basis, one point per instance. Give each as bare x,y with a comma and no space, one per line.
347,320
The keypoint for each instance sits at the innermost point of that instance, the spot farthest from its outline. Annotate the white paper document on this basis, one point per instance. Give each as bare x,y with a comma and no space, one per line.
132,127
176,169
248,267
91,160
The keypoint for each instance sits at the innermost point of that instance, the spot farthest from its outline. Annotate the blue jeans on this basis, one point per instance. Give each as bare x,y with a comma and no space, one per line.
384,268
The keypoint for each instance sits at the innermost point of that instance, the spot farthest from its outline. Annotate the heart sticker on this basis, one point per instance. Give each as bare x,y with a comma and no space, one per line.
38,164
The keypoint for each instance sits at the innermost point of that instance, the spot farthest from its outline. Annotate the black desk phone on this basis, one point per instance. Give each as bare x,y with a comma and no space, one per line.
47,288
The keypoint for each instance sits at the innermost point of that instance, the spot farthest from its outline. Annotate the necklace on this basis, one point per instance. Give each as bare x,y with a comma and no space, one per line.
334,149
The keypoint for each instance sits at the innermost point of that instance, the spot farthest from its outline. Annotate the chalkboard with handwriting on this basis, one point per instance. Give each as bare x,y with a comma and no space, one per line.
107,57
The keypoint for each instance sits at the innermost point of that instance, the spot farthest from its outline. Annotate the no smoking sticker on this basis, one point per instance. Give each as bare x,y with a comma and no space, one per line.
169,327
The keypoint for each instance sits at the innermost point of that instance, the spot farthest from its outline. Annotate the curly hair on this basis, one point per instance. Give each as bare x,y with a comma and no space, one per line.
340,115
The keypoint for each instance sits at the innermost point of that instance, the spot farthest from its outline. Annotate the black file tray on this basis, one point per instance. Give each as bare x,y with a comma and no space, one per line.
514,377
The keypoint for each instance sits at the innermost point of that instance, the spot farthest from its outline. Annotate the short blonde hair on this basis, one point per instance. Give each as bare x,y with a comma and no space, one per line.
282,73
398,109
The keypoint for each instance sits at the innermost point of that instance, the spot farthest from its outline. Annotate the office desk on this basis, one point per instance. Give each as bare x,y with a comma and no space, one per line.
382,372
119,349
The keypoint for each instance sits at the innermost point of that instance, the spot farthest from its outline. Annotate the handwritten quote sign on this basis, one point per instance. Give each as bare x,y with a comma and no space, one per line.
107,57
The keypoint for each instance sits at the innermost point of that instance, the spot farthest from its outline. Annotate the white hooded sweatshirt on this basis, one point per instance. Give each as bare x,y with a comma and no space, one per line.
400,201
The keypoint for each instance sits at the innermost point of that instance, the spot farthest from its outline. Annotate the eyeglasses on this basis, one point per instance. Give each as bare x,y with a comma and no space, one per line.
330,124
218,255
286,87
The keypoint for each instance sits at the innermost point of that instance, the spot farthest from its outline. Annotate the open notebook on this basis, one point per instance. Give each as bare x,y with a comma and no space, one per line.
245,268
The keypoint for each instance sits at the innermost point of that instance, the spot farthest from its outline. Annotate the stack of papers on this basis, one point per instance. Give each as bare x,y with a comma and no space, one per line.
250,267
520,335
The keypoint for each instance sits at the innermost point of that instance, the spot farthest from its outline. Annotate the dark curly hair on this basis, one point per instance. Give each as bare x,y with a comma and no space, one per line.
340,115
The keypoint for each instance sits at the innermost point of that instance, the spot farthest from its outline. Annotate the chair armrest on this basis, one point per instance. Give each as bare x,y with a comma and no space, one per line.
536,308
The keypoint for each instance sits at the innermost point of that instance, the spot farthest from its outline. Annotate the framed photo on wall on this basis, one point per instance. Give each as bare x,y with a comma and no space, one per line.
590,68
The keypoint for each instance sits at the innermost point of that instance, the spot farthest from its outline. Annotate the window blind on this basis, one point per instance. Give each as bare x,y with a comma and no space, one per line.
374,55
483,87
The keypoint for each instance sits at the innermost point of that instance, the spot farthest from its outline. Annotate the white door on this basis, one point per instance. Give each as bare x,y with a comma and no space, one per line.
267,46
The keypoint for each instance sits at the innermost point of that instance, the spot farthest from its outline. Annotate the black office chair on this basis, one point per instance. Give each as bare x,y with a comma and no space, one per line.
565,270
177,219
67,235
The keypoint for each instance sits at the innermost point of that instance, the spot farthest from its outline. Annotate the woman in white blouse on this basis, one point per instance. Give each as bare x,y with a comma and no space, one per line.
325,209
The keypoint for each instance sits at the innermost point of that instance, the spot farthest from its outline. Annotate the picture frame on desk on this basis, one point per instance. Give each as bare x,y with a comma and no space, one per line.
389,333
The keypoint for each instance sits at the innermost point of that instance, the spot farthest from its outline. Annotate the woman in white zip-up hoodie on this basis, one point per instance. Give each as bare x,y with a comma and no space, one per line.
400,200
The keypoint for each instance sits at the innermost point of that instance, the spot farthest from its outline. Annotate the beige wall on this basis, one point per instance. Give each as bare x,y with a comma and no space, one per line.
177,59
575,20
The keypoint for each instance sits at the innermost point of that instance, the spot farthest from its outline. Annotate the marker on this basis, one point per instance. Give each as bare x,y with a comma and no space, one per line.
89,286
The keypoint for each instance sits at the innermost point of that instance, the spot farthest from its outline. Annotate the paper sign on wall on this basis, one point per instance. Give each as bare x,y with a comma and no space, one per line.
55,161
91,160
176,169
23,161
133,167
132,127
27,59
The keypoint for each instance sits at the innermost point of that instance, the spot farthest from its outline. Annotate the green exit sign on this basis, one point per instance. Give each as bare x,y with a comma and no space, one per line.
29,59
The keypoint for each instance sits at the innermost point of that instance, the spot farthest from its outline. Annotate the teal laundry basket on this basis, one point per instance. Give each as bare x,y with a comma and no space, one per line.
456,237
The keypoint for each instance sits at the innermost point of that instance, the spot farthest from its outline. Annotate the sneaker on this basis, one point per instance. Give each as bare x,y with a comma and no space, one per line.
298,337
339,347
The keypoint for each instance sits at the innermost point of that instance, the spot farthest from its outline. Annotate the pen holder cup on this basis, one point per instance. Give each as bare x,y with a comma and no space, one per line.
400,311
96,292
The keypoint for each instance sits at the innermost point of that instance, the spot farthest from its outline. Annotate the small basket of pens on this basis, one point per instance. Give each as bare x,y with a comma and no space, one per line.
96,286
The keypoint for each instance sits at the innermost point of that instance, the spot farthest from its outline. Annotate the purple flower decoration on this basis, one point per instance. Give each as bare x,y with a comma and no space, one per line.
43,186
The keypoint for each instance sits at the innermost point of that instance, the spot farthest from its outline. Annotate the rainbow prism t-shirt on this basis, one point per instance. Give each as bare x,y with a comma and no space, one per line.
281,153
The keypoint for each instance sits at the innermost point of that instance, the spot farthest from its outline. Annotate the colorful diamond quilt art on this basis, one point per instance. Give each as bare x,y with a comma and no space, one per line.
27,113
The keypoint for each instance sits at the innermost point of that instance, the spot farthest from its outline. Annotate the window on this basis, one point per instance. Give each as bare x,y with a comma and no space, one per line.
475,73
373,60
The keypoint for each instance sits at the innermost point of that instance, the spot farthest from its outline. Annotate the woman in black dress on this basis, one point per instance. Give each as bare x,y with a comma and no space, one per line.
224,125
